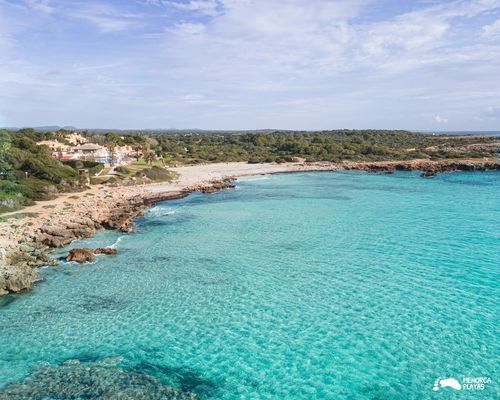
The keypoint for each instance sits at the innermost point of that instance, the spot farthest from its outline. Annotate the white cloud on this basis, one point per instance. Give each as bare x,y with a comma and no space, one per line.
192,97
410,32
254,63
493,30
490,113
188,29
5,43
208,7
204,7
43,6
104,23
294,38
105,17
258,37
440,120
493,112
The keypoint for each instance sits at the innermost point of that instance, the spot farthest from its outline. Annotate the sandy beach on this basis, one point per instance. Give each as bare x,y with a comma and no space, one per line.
98,201
69,205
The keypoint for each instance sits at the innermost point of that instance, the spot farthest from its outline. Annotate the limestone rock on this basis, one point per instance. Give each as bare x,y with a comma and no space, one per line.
81,255
105,250
88,255
16,278
216,186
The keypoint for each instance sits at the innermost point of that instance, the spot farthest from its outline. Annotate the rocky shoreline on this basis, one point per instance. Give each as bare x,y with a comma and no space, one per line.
425,165
19,262
29,243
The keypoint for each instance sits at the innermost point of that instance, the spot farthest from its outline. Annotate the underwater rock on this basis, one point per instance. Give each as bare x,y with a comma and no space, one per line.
96,381
428,174
94,303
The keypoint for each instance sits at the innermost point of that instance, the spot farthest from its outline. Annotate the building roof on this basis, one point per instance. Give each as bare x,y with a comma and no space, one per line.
68,156
89,147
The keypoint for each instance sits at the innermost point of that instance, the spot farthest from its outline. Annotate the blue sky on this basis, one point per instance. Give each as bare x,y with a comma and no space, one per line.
248,64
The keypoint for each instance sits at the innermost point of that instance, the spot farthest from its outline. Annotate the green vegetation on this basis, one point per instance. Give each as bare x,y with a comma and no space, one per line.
334,146
140,165
122,170
156,174
28,172
92,166
281,146
18,216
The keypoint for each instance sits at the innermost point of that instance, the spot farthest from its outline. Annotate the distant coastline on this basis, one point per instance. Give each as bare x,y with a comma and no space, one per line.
464,133
52,128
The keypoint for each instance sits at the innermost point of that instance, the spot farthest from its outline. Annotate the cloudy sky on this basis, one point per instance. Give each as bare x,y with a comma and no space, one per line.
247,64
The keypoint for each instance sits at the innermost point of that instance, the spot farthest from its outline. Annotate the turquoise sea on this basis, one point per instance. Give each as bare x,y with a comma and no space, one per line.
333,285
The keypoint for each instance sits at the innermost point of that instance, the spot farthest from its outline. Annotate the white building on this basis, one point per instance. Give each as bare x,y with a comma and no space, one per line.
95,152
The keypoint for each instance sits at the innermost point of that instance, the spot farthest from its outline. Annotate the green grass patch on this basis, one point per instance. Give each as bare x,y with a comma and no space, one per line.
18,216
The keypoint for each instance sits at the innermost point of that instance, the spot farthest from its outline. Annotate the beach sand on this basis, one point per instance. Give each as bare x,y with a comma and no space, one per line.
24,224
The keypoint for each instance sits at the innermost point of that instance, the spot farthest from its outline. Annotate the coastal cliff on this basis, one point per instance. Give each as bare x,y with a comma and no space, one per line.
28,237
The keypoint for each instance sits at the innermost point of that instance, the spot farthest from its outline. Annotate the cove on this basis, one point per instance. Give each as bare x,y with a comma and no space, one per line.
325,285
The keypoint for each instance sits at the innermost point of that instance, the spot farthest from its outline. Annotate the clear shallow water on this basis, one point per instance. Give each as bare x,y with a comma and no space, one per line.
299,286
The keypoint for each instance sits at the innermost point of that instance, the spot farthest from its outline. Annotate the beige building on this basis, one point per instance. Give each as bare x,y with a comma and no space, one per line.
75,139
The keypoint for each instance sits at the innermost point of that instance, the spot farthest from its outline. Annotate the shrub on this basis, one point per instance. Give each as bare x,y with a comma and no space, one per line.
122,170
39,189
156,174
93,166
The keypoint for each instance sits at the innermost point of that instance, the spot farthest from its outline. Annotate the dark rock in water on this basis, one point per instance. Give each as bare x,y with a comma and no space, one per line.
216,186
428,174
81,255
88,255
105,250
97,381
